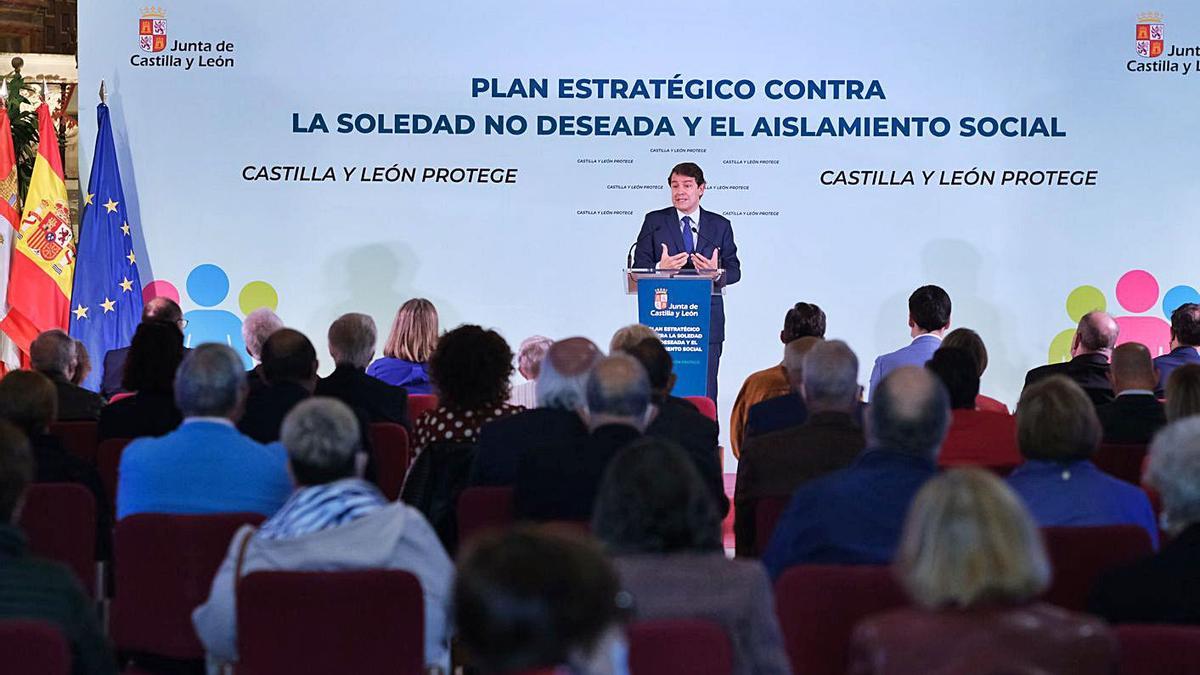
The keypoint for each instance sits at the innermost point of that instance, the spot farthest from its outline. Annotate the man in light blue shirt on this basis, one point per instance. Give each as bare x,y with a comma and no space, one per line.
928,321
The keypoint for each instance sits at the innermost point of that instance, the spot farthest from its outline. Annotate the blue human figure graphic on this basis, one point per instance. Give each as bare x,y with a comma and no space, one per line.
208,286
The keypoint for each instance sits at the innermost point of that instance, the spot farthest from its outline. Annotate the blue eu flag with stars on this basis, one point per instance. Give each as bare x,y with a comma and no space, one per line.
106,300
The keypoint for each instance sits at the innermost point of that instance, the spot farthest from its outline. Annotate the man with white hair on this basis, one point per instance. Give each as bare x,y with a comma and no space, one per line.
206,465
352,346
333,521
53,354
258,326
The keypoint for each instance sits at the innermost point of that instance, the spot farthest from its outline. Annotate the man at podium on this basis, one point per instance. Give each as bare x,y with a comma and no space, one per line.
685,236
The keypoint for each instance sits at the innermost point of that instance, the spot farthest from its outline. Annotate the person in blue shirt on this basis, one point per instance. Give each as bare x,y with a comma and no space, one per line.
1185,337
408,348
1057,431
928,321
854,516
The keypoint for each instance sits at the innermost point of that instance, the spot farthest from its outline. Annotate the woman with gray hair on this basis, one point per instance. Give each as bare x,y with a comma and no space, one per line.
529,364
974,564
1164,588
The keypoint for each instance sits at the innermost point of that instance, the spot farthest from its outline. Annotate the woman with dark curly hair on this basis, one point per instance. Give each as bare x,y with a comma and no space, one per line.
154,355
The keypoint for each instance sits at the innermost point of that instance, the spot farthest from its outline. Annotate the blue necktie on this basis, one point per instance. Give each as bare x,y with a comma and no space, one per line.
687,235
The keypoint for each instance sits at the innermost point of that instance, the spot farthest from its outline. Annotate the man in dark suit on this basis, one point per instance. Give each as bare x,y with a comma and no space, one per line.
163,310
789,410
560,482
1093,344
53,354
289,367
1135,414
685,236
561,385
352,345
677,420
1185,337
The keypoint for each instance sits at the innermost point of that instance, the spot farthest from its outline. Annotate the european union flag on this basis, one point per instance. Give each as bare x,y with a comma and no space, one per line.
106,300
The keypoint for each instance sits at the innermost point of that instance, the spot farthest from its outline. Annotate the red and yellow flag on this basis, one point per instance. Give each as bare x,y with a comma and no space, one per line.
10,215
43,257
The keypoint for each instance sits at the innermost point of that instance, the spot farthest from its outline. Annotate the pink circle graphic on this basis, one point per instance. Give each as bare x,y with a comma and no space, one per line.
160,288
1137,291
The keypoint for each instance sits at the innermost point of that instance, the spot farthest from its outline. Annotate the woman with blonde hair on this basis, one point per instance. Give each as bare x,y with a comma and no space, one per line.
408,348
973,563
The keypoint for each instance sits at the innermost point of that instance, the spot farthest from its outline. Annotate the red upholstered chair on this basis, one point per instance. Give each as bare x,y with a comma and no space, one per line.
79,438
1080,555
362,622
483,508
59,520
419,404
978,438
767,512
164,566
121,395
389,443
692,646
108,462
1122,460
705,405
819,605
1158,650
33,648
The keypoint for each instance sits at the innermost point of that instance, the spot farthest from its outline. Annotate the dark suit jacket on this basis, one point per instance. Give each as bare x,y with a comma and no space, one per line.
1089,371
146,413
774,414
1169,362
266,406
775,464
75,403
1132,418
663,227
381,401
502,442
679,421
560,482
1164,588
114,371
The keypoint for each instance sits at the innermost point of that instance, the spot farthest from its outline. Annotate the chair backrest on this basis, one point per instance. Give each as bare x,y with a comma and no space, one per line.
1122,460
1158,650
766,515
819,605
978,438
33,648
1080,555
108,462
705,405
419,404
389,443
80,438
59,521
362,622
164,567
121,395
693,646
484,508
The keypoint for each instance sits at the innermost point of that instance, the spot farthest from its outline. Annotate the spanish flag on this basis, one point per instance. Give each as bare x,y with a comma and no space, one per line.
43,256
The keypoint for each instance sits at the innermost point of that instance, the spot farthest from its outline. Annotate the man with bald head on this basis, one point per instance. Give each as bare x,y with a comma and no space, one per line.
158,309
560,388
786,411
1136,413
854,516
1092,345
560,482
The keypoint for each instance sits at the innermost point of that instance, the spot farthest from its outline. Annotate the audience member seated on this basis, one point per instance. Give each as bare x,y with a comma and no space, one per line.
333,521
974,564
788,410
628,336
82,366
854,516
31,588
28,400
969,341
1058,431
928,320
153,358
206,465
159,309
1136,413
775,464
976,437
1164,588
653,513
561,384
529,362
560,482
1090,348
405,361
258,326
677,420
1185,340
802,320
289,375
53,354
352,344
539,601
1183,392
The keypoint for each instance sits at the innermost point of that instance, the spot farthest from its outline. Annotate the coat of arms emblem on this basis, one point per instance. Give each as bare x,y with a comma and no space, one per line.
1149,39
660,298
152,29
48,230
